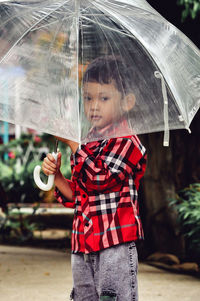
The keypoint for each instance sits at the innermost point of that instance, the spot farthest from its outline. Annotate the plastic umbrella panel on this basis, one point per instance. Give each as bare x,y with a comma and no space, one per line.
78,57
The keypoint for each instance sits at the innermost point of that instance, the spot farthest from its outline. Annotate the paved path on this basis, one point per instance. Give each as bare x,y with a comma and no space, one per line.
30,274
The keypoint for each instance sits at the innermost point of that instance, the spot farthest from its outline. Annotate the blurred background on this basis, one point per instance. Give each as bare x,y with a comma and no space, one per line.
169,192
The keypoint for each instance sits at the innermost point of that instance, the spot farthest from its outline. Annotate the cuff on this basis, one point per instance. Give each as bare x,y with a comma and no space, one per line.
62,199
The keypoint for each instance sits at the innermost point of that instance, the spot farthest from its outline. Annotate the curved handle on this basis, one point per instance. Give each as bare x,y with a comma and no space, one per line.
38,182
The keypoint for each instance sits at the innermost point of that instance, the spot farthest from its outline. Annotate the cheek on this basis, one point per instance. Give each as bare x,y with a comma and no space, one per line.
86,108
114,109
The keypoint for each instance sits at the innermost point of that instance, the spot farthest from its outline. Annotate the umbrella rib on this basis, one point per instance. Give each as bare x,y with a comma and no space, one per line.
105,35
164,91
77,10
86,8
150,56
48,56
108,40
22,15
53,22
107,27
30,29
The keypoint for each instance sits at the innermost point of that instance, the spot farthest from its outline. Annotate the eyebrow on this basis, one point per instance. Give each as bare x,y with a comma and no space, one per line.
100,94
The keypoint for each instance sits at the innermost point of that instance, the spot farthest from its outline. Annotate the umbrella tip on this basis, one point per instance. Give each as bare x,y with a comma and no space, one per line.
166,143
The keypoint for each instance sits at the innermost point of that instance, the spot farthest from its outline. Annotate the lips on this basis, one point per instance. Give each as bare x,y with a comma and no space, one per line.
95,117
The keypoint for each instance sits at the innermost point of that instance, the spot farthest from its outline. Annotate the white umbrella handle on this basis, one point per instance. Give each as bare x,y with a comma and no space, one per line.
50,181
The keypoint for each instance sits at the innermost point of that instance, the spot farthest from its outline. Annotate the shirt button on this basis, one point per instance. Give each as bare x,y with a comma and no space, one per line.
84,195
86,224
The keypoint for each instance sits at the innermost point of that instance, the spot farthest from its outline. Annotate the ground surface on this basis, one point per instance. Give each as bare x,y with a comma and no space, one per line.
30,274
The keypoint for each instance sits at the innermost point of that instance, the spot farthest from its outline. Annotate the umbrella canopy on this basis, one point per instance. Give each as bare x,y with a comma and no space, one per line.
96,69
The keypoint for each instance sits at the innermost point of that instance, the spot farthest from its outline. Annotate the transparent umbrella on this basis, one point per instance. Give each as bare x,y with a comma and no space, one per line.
55,41
71,51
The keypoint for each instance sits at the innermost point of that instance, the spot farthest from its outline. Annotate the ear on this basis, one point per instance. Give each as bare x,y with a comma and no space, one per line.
128,102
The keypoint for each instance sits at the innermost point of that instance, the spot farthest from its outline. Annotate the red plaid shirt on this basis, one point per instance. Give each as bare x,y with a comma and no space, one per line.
105,182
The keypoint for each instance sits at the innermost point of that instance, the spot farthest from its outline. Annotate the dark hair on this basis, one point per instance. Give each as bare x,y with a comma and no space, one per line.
106,69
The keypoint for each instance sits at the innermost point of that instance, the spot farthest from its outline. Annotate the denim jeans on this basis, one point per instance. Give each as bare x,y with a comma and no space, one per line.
107,275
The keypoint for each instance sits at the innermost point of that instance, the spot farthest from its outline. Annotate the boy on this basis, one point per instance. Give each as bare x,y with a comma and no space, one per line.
103,189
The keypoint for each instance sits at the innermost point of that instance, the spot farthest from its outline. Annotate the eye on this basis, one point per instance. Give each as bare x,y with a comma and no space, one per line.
87,98
104,98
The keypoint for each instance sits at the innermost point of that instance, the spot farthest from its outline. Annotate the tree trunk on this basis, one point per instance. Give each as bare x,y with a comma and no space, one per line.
169,169
3,200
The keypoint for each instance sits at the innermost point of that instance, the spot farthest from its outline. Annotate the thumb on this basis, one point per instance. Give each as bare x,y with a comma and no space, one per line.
59,160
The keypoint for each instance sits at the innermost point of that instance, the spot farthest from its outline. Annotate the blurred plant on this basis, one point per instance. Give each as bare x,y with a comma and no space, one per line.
16,173
17,184
187,205
17,226
191,8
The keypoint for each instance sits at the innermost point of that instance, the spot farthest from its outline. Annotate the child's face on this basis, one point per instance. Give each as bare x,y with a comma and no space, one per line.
102,103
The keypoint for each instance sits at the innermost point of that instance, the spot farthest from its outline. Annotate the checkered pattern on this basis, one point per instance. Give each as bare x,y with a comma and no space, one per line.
105,181
105,203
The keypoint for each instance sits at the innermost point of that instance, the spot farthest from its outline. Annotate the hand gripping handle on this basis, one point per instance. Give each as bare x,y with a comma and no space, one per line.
50,181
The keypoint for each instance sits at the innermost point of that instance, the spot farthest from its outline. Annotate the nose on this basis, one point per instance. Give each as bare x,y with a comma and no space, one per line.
95,106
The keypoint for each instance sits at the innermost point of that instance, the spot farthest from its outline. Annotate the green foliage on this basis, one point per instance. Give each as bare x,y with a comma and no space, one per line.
191,8
16,172
16,178
187,205
17,226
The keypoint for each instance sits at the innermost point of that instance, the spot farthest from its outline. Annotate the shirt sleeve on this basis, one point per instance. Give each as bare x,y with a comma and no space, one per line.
62,199
120,158
139,170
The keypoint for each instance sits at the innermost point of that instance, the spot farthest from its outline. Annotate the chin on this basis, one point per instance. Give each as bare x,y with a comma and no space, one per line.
96,124
99,127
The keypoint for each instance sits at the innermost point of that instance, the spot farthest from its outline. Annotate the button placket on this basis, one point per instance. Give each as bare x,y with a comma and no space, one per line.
86,212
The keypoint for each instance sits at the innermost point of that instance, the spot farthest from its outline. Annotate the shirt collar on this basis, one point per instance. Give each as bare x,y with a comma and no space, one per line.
117,129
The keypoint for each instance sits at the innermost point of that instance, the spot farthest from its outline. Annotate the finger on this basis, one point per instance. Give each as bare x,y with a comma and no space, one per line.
59,155
50,157
47,172
49,167
59,159
47,161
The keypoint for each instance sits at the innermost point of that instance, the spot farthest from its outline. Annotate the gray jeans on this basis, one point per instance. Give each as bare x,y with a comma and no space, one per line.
109,275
